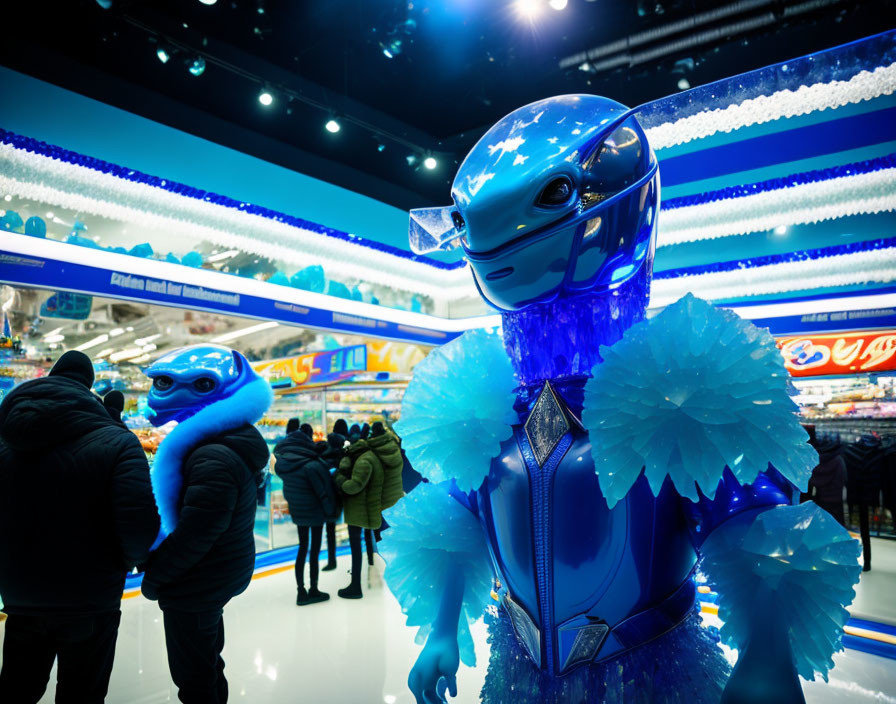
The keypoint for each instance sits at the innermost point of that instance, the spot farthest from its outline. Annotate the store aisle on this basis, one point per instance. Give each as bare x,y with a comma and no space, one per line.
355,651
875,599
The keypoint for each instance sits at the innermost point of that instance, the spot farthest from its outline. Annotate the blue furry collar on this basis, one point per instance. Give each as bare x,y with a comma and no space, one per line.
247,405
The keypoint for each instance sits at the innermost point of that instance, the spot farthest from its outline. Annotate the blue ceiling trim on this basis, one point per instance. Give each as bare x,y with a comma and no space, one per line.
812,295
781,124
804,142
787,257
836,64
58,153
749,189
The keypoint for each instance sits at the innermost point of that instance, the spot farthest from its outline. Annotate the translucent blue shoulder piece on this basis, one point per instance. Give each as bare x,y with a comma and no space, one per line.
808,564
458,409
686,394
431,534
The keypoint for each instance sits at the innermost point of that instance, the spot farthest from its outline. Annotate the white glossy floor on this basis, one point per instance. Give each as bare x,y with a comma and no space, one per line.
876,593
355,652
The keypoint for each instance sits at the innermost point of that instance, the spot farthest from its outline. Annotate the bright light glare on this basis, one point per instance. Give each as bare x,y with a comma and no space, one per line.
781,230
558,4
208,2
683,84
265,98
92,343
227,337
333,126
430,163
528,9
163,55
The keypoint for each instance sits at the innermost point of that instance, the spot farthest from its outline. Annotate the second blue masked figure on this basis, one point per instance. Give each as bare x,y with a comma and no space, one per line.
585,463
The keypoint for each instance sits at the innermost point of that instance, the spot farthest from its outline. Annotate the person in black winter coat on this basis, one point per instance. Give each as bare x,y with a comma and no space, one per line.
309,491
205,476
62,572
828,478
331,453
114,404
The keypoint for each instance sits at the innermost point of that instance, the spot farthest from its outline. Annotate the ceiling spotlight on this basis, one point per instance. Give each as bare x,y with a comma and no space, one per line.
683,84
196,66
265,98
558,4
163,53
528,9
333,125
380,147
430,163
411,159
208,2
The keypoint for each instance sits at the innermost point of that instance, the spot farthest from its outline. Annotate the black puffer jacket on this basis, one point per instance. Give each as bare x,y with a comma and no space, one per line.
307,485
76,506
210,556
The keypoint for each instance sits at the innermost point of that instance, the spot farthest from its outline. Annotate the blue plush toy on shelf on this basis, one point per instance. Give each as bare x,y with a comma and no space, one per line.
584,463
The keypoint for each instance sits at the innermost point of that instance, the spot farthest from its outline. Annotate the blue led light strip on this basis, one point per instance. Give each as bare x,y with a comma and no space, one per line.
65,155
751,189
787,257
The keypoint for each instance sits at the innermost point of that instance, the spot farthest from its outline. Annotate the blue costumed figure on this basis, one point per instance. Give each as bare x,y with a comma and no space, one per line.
582,467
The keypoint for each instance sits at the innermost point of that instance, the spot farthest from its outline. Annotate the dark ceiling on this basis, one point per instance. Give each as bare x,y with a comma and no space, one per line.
457,66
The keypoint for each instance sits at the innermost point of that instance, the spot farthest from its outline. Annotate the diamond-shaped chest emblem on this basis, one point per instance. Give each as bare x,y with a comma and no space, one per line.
546,425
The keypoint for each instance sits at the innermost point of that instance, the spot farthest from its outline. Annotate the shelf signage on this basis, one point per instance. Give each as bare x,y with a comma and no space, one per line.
315,368
839,353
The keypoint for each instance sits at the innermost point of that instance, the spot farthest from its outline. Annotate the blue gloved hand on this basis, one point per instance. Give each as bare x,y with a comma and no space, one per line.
435,671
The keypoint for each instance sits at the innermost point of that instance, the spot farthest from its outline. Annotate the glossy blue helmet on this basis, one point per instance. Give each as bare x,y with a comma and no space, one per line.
190,378
558,198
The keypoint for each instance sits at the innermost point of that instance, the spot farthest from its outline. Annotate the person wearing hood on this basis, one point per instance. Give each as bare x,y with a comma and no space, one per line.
114,404
331,453
360,479
309,491
205,477
62,577
828,478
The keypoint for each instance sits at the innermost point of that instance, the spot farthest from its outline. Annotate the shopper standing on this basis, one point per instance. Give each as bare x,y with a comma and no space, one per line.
310,493
360,479
205,476
62,570
332,453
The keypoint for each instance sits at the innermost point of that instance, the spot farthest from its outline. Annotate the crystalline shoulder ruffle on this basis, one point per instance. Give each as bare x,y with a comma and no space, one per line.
810,564
458,409
431,535
687,393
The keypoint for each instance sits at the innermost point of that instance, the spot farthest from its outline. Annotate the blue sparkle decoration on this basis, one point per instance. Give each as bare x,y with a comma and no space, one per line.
458,409
431,535
810,564
880,244
52,151
686,394
815,176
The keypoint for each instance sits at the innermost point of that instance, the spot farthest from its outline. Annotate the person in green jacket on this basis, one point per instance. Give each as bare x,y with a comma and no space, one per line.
360,480
386,446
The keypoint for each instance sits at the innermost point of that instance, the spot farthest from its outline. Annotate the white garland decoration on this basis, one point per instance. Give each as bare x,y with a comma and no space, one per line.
857,194
876,266
85,190
865,85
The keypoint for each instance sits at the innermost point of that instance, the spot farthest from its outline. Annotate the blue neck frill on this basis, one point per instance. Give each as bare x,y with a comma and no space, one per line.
561,340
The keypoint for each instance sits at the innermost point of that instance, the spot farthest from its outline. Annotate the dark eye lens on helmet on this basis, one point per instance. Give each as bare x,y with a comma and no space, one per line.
557,192
458,220
162,383
203,384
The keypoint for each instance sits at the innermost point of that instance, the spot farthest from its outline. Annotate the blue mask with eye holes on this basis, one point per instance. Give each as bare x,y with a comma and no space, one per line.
188,379
558,198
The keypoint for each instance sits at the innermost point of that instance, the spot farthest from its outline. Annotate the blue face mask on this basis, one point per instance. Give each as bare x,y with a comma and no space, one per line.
560,197
187,380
